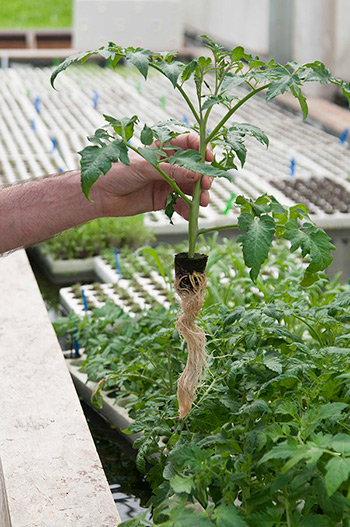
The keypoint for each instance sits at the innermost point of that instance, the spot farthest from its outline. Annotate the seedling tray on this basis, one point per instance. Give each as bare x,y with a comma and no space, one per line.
114,413
64,271
132,297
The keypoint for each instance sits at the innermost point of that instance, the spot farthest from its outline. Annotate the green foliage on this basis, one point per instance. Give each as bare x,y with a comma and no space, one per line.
268,442
35,13
214,78
97,235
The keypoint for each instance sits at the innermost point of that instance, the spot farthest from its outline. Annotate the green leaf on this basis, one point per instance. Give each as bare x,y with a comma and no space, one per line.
341,443
315,520
318,73
211,101
140,58
171,71
231,80
312,241
100,134
111,52
329,410
337,471
68,61
97,160
236,314
237,53
302,101
258,406
228,516
237,145
124,126
181,516
283,451
287,408
189,70
273,364
309,452
151,154
282,83
163,134
182,484
191,159
169,208
243,129
146,135
256,241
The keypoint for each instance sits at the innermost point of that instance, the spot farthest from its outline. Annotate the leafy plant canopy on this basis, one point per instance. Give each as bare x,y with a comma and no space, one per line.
267,441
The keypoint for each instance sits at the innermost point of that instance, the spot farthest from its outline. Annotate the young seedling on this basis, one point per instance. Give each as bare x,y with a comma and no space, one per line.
214,77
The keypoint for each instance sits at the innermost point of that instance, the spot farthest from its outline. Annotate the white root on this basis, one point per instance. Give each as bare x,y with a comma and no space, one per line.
191,303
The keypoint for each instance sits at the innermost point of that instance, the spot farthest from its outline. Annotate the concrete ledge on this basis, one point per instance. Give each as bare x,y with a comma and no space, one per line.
4,507
51,469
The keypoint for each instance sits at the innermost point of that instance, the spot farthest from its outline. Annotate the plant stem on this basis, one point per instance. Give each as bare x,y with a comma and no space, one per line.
194,207
221,228
183,93
232,111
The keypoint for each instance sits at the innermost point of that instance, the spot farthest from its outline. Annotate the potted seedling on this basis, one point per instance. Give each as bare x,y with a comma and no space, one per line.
214,78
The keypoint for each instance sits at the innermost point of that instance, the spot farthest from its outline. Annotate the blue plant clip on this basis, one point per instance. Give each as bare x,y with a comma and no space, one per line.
117,264
292,167
37,104
185,120
54,144
33,124
95,99
344,136
84,300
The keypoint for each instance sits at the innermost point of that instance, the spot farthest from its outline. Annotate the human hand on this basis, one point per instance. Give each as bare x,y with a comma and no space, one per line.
132,189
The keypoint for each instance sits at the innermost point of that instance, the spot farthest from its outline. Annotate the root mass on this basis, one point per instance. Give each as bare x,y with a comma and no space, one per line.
190,285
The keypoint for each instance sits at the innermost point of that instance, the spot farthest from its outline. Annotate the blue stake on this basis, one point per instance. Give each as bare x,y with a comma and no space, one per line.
37,104
33,124
344,136
117,265
185,120
95,99
54,144
60,169
349,279
84,300
292,166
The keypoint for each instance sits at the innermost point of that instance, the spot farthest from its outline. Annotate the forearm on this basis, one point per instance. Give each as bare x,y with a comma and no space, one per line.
33,211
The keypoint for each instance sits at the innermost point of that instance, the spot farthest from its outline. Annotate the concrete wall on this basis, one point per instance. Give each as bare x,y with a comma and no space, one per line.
52,473
342,40
304,29
237,22
153,24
